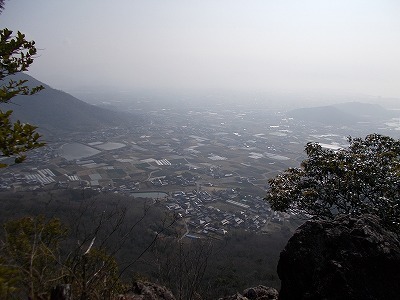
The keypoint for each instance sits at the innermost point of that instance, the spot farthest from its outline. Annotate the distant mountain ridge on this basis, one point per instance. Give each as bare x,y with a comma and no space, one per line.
365,110
342,114
54,111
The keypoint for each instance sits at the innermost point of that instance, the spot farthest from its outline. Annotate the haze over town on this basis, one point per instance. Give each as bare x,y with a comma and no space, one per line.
314,47
186,141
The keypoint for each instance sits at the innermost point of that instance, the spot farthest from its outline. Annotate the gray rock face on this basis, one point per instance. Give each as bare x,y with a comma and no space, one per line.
261,293
148,291
237,296
347,258
255,293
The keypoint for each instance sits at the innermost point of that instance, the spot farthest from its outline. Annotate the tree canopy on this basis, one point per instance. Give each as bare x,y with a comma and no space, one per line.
16,55
32,262
361,179
30,252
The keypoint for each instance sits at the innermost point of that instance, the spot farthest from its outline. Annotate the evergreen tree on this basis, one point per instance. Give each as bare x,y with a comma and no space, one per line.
361,179
16,55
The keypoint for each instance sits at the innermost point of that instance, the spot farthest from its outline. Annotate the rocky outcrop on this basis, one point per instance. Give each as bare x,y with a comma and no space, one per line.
255,293
261,293
347,258
340,259
147,291
237,296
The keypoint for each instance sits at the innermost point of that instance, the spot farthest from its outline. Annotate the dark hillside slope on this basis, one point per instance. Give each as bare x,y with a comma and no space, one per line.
240,260
54,111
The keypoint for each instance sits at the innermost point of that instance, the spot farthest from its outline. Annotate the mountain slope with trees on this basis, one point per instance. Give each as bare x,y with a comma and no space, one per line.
54,110
134,234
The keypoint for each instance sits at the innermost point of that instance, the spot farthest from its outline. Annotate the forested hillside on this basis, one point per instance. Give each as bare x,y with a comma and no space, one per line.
146,243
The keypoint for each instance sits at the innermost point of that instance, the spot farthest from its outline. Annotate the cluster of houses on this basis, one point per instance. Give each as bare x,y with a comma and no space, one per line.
205,212
185,179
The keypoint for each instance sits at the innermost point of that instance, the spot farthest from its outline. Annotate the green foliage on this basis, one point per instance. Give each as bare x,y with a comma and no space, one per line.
31,263
9,280
361,179
31,251
16,55
16,138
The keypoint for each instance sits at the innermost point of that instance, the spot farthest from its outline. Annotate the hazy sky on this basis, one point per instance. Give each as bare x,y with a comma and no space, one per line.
342,46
